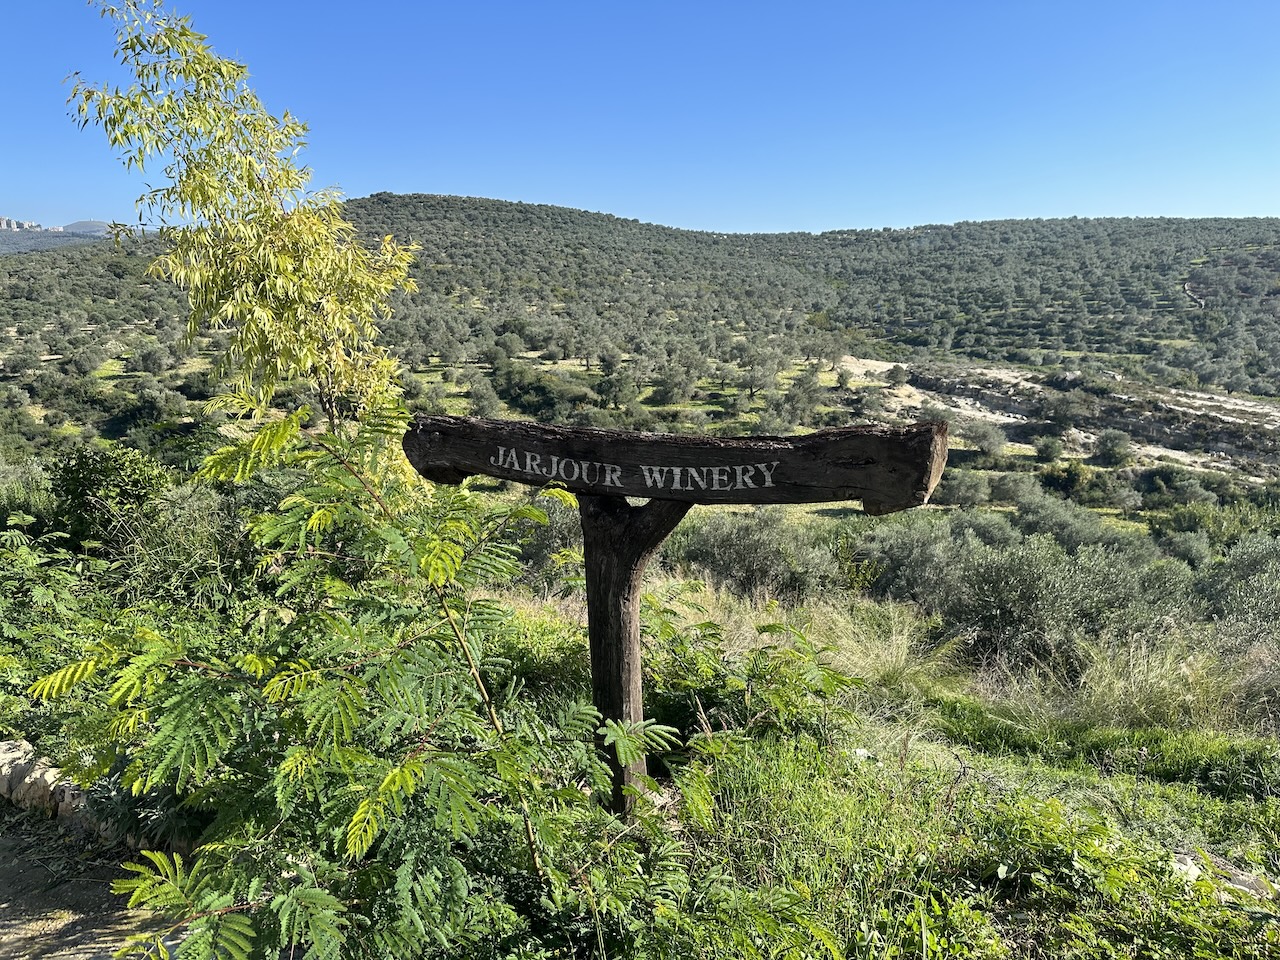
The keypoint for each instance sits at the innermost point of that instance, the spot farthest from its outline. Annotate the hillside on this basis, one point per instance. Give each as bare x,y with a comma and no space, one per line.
96,228
23,241
1188,303
1036,719
568,316
1181,302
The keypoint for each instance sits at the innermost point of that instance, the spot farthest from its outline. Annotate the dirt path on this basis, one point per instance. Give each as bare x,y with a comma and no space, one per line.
55,892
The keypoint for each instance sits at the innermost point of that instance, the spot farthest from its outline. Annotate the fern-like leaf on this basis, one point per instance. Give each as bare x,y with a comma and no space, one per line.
62,681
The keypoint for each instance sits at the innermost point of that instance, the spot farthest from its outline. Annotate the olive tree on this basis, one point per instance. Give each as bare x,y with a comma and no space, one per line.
1114,448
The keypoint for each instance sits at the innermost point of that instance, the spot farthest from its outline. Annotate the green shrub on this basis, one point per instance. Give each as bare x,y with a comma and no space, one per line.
962,488
186,544
1070,479
1244,585
1221,527
907,555
25,489
551,552
1114,448
1089,892
696,685
48,601
1048,449
988,439
1074,526
763,553
1034,604
99,483
1168,486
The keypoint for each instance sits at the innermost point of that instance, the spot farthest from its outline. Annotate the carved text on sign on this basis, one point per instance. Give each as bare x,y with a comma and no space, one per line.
591,472
740,476
540,468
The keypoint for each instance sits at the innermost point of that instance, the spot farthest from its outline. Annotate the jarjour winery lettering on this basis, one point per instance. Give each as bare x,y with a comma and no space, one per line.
593,473
887,468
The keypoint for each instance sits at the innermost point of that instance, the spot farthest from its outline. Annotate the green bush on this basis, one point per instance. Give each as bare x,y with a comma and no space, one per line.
186,544
1048,449
763,553
906,555
962,488
1244,585
1076,481
1033,605
24,488
98,484
1220,526
48,604
1114,448
697,686
1073,526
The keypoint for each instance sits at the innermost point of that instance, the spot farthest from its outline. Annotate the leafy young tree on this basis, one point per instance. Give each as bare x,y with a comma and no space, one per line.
1048,449
483,398
963,488
154,358
986,437
761,369
85,360
95,485
618,388
282,273
803,396
275,266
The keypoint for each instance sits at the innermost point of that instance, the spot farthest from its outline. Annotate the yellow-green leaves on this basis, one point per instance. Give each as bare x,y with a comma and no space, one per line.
633,741
450,796
300,298
263,448
60,681
194,112
560,495
164,883
274,265
441,561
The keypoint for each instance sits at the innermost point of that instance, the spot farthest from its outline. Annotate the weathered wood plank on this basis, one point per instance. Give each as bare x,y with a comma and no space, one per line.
887,468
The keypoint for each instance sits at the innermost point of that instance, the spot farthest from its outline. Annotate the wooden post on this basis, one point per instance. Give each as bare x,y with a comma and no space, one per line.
887,468
618,540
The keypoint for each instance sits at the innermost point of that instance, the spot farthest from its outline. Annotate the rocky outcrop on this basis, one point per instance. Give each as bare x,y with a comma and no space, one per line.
1166,420
1016,399
33,783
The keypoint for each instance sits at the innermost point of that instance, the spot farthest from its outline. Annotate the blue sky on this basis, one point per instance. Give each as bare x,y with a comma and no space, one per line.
727,116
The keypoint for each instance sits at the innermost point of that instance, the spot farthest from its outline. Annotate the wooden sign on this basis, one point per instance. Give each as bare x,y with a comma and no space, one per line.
887,468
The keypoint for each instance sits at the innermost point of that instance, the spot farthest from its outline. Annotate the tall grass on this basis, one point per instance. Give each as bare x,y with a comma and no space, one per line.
1178,679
